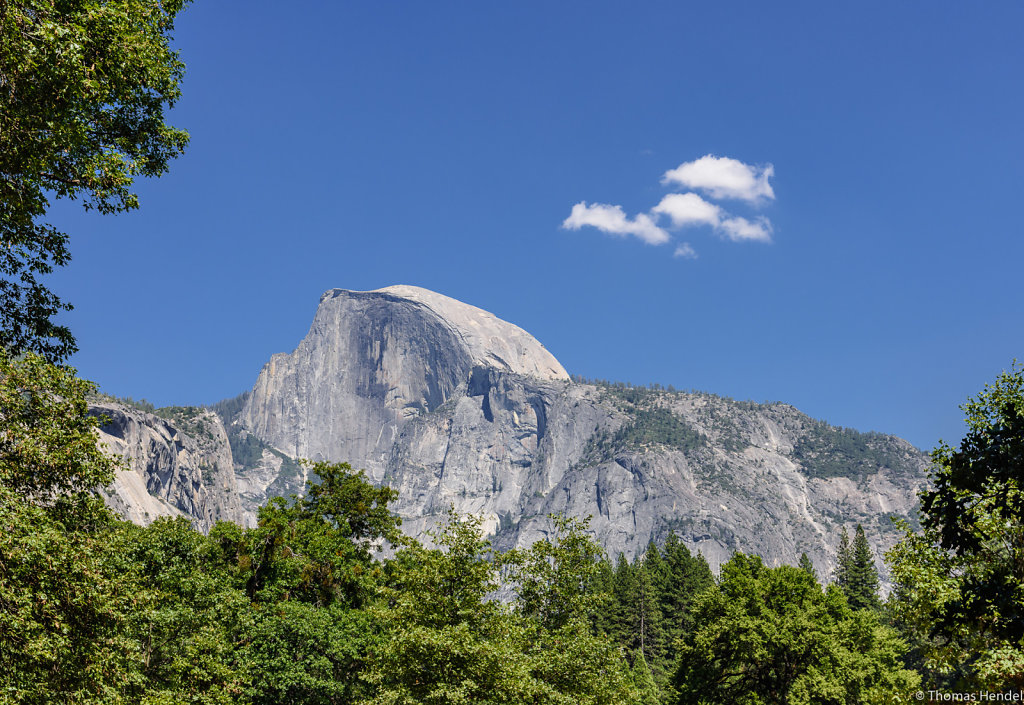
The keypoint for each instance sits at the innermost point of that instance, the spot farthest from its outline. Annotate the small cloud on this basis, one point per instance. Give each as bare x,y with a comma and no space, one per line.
688,209
722,177
612,219
685,251
740,229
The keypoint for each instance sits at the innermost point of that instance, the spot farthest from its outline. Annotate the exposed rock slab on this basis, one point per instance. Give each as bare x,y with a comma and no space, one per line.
179,465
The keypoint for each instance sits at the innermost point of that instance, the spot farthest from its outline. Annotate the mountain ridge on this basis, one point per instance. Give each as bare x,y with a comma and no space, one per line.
453,407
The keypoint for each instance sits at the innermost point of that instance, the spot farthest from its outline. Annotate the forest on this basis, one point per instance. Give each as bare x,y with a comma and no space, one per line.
325,600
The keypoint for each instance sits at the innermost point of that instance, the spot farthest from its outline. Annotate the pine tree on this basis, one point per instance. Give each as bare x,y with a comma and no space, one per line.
862,577
688,575
807,566
844,556
651,573
637,620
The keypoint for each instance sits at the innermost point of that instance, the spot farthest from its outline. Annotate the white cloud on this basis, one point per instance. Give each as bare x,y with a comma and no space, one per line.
688,209
685,251
612,219
740,229
722,177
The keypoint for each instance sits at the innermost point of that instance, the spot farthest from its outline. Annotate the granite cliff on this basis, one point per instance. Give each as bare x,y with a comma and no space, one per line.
177,464
451,406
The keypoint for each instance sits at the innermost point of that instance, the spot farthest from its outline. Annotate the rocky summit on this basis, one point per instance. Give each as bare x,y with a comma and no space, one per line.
454,407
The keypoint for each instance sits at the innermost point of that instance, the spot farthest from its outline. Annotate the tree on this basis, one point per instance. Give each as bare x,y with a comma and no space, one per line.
844,557
64,634
807,566
308,568
186,615
688,576
319,548
961,582
83,89
445,640
771,635
861,588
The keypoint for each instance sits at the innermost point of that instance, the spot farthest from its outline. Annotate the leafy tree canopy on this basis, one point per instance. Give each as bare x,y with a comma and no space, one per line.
83,89
960,584
771,635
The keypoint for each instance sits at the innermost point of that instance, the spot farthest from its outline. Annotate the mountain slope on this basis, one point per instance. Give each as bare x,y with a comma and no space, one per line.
453,407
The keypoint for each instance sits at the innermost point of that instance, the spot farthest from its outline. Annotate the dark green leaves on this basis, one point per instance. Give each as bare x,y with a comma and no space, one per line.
83,89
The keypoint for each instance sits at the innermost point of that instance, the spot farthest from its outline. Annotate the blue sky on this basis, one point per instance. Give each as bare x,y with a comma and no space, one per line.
359,145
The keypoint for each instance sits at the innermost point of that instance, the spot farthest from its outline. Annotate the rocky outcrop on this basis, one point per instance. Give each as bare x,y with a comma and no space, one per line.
179,464
723,475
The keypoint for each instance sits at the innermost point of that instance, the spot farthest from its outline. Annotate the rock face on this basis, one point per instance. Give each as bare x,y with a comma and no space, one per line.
179,465
453,407
373,360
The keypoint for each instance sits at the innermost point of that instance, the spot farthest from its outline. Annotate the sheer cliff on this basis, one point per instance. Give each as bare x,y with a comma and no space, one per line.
453,407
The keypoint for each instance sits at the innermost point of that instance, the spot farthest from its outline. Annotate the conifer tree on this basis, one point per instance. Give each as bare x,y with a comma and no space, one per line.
651,577
687,576
807,566
844,555
862,577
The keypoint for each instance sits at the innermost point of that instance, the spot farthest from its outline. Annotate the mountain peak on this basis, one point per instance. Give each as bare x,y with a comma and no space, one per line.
490,341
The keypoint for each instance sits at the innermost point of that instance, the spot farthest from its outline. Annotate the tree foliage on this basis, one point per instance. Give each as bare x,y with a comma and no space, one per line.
447,640
960,584
771,635
83,89
856,574
62,606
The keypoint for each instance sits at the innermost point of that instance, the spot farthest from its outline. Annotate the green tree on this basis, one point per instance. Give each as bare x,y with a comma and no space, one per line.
844,559
83,89
558,588
688,575
443,640
556,581
446,640
319,548
186,616
807,566
771,635
63,603
309,567
960,583
861,587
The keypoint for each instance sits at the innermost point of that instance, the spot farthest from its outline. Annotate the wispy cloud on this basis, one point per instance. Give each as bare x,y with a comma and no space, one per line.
740,229
613,220
722,177
685,251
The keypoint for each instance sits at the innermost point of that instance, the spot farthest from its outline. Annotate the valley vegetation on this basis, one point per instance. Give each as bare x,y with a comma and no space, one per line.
325,601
